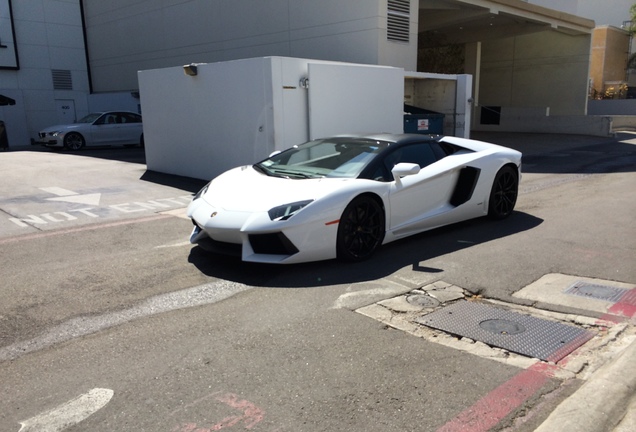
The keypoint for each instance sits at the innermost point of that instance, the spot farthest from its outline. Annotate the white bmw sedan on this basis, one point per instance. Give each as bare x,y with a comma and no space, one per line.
95,129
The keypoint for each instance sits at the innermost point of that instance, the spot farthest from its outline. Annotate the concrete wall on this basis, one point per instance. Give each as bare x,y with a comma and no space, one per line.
547,70
125,37
618,107
535,121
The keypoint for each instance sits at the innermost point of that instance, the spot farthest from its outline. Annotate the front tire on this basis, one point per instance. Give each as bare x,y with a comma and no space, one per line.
503,195
74,141
361,229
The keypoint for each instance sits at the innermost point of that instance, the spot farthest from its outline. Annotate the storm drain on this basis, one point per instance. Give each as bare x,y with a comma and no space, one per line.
522,334
596,291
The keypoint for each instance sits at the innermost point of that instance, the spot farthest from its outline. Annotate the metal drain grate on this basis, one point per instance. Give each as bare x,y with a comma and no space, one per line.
515,332
596,291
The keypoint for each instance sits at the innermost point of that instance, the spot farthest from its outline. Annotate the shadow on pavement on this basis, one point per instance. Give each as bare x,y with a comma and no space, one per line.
569,154
130,154
409,252
185,183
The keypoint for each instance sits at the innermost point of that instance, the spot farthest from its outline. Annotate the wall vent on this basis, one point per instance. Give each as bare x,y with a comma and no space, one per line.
398,20
62,79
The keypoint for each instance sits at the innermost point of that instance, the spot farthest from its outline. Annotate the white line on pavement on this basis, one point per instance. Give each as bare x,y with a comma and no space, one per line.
69,413
85,325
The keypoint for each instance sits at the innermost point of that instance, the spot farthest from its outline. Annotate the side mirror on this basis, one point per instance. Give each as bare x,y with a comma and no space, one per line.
404,169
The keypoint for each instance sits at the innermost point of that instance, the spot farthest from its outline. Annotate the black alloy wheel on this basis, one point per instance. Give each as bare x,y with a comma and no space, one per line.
74,141
361,229
503,195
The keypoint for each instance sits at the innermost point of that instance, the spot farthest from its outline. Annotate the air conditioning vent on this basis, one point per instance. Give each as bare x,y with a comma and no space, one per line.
398,20
62,79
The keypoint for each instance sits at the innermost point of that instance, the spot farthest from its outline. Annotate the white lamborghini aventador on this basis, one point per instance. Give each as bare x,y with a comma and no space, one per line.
343,197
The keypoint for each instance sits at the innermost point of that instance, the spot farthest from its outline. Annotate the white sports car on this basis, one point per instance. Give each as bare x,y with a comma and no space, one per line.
101,128
345,196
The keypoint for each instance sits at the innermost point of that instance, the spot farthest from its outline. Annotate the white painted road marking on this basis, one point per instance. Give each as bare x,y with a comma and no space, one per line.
171,206
174,245
90,199
66,195
70,413
58,191
84,325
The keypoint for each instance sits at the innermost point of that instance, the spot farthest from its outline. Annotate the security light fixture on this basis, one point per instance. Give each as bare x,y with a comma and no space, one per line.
190,69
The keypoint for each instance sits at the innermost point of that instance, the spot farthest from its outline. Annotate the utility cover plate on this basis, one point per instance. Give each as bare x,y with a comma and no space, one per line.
596,291
515,332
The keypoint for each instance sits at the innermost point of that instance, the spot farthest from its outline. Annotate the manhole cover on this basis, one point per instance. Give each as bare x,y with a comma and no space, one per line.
596,291
501,326
522,334
422,300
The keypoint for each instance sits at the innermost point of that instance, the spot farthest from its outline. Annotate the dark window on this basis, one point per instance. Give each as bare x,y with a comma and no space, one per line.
129,118
101,120
421,154
490,115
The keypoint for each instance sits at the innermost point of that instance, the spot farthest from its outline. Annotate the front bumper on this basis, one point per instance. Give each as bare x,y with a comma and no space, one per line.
256,238
49,141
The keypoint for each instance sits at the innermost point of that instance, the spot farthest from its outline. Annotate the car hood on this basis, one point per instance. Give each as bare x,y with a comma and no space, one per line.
245,189
58,128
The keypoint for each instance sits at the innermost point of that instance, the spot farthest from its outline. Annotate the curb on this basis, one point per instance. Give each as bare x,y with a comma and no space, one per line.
600,403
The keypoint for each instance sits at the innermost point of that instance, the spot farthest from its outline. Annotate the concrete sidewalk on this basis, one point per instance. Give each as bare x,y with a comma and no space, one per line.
606,402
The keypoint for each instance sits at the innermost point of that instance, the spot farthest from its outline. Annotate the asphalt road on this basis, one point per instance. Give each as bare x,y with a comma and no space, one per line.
111,320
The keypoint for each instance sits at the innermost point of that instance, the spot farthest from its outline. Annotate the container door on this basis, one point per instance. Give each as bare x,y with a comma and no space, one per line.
354,99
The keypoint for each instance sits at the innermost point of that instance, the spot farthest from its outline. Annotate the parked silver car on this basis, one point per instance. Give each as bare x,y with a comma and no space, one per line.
96,129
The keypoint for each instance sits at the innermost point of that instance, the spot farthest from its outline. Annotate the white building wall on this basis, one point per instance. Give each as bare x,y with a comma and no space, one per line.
174,33
48,35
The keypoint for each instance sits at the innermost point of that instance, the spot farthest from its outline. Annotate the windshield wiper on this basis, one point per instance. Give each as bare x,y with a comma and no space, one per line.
292,173
262,169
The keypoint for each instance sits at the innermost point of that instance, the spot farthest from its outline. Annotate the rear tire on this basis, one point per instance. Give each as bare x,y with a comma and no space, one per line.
361,229
503,195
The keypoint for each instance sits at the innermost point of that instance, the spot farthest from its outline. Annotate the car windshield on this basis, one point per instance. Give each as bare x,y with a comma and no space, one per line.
335,157
89,118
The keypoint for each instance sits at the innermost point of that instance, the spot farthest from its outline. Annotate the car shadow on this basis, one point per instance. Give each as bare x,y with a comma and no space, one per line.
409,252
130,154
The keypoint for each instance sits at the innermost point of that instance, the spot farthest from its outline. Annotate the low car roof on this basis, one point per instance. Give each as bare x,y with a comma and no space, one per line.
394,138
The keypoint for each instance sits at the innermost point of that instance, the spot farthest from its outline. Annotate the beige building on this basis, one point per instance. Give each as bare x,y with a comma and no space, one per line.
608,65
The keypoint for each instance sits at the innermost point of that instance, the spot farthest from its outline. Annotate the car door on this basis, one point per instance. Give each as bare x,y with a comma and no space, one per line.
417,199
130,127
104,130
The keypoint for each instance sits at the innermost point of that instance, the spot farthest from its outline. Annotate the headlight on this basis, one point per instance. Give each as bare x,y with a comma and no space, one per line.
201,192
285,211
